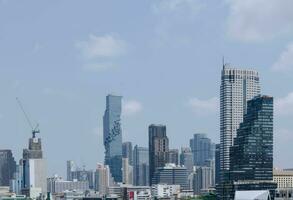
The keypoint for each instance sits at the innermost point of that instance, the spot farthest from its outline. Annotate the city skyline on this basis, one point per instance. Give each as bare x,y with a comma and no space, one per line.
160,73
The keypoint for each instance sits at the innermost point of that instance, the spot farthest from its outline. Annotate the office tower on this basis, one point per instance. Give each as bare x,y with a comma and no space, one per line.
16,182
140,166
186,159
202,149
237,87
113,136
217,164
203,180
103,179
82,174
171,175
158,148
174,156
127,152
127,172
70,167
251,156
34,168
7,167
56,185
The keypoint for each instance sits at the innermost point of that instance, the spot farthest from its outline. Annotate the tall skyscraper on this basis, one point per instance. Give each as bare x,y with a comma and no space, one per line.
127,151
186,159
202,149
113,136
141,166
237,87
7,167
70,167
174,156
34,168
158,148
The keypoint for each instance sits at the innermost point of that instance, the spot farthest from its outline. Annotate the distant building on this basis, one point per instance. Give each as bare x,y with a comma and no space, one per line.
127,172
7,167
127,152
174,156
171,175
186,158
284,180
58,185
140,166
103,179
70,167
203,180
158,148
202,149
129,192
165,191
113,136
34,169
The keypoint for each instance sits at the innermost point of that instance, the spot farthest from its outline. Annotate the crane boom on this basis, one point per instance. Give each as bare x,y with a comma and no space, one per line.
34,130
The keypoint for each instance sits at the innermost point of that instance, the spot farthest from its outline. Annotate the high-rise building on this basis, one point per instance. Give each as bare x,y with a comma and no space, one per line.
141,166
34,168
186,158
70,167
103,179
127,172
127,152
113,136
174,156
171,175
158,148
251,156
237,87
202,149
7,167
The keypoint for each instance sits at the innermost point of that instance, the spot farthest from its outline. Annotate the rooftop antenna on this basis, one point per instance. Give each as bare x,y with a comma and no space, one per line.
223,60
34,129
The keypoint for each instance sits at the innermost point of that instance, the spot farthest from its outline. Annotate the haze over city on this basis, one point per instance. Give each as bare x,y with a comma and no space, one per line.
61,59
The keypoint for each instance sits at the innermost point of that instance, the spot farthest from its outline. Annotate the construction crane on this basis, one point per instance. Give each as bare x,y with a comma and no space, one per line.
35,129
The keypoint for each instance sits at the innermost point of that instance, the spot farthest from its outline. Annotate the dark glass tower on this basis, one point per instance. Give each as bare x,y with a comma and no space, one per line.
158,148
252,154
127,152
113,136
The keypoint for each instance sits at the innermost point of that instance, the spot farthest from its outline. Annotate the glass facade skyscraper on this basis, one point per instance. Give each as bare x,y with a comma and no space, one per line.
202,149
7,167
251,156
113,136
252,153
141,166
237,87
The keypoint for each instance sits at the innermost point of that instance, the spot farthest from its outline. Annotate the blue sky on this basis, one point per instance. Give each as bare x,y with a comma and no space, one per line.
61,58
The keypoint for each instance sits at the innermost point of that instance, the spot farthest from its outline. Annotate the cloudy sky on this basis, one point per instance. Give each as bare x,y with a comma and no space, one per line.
61,58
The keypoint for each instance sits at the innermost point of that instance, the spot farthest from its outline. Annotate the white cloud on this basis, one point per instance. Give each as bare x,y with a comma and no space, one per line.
203,107
170,6
131,107
100,52
102,46
258,20
284,105
285,61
